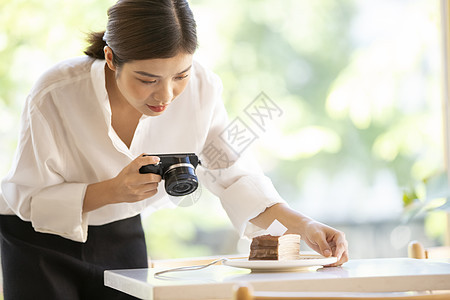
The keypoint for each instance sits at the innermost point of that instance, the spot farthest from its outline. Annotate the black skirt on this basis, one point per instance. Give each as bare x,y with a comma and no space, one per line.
46,266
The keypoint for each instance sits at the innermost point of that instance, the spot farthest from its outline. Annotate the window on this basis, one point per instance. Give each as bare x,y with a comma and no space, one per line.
358,85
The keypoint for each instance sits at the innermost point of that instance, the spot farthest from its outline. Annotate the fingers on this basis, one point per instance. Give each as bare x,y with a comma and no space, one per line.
132,186
138,178
150,188
340,261
343,259
340,248
143,160
324,247
132,192
328,242
143,192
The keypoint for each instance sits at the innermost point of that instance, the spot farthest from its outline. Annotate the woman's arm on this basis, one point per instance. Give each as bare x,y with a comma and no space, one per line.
320,237
128,186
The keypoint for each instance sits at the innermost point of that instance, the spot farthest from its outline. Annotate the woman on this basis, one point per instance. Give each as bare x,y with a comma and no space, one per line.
71,202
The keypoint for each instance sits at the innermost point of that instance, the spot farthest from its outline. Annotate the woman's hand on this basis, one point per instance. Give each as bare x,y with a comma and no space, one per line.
326,241
128,186
131,186
321,238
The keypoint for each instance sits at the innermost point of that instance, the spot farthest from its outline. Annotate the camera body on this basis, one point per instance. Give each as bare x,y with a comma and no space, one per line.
178,172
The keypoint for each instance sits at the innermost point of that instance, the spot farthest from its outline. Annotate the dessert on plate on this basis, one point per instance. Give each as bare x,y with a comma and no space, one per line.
268,247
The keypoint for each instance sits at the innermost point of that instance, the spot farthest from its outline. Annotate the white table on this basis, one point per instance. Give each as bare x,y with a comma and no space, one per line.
216,282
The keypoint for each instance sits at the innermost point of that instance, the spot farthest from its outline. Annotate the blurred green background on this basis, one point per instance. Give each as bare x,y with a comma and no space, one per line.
358,82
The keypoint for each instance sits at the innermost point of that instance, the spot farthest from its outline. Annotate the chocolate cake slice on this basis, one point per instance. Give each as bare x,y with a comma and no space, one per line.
268,247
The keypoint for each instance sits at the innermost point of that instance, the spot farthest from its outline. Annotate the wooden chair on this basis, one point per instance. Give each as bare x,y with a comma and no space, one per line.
245,292
417,250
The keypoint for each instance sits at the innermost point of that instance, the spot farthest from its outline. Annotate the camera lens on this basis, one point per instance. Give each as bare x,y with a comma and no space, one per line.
180,180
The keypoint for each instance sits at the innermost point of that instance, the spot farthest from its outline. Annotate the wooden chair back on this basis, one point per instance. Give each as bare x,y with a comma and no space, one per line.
417,250
245,291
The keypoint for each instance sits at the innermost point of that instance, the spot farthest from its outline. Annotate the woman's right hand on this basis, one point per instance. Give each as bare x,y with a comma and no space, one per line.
128,186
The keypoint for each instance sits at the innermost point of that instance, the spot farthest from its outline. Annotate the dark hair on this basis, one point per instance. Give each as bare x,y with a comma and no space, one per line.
145,29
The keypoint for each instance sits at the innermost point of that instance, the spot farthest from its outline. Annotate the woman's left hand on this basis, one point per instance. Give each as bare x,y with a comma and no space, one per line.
321,238
327,241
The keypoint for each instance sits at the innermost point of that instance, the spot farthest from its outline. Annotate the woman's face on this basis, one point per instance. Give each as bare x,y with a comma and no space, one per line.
151,85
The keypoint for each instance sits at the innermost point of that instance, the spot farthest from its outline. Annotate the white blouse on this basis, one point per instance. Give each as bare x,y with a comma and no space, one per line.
67,142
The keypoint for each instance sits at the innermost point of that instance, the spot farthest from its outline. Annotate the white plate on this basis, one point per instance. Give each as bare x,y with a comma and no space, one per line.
305,262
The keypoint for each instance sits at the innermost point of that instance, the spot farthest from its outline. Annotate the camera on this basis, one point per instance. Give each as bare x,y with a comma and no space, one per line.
178,172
